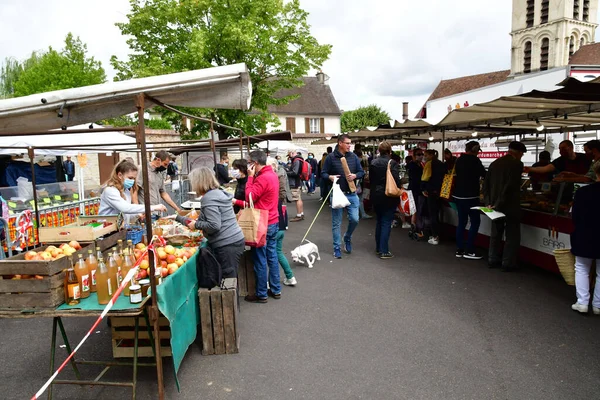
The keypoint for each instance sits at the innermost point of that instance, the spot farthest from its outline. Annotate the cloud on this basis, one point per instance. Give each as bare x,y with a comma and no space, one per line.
384,52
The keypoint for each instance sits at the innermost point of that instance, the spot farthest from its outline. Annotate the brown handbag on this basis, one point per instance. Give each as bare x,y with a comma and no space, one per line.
391,189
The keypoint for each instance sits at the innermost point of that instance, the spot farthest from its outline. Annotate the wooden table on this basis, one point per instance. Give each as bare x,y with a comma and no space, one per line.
140,310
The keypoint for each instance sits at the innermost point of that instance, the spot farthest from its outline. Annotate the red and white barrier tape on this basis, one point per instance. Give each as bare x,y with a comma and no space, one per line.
110,304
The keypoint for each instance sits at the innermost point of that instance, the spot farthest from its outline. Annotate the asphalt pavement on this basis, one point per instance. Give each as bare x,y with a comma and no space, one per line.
423,325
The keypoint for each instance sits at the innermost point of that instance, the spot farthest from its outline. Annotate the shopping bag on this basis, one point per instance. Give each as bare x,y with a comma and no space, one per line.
448,185
254,223
407,202
391,189
338,198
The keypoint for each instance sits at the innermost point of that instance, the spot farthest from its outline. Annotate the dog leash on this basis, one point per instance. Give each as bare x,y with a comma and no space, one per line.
316,216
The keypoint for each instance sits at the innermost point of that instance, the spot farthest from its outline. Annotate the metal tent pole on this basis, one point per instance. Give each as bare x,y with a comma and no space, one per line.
141,139
31,154
212,143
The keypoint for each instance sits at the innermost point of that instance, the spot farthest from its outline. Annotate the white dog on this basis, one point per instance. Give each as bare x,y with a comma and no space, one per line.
308,252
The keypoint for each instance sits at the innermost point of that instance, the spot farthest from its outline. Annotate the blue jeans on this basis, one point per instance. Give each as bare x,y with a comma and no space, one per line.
383,228
464,214
267,256
336,221
311,184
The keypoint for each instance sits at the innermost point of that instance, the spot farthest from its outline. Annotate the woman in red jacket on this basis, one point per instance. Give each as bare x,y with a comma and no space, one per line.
262,189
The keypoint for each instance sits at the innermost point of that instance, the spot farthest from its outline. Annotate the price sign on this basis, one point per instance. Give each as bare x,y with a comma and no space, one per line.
12,204
75,196
47,200
57,197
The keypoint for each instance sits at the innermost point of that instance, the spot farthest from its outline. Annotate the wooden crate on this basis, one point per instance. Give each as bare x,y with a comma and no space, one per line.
123,334
47,292
110,240
76,231
246,275
219,319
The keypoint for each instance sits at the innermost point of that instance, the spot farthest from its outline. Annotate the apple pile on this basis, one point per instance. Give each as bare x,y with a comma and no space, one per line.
53,252
169,259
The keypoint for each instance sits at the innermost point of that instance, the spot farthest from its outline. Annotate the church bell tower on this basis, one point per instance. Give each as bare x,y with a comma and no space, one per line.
545,33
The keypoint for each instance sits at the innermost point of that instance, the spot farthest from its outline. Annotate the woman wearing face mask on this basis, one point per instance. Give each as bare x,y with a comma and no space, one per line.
240,173
116,196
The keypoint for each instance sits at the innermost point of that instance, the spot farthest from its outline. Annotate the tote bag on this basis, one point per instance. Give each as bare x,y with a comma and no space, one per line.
391,189
254,223
448,185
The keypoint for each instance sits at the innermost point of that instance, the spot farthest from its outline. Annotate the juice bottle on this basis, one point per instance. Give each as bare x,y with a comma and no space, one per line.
72,293
83,277
103,283
92,264
99,253
131,252
113,273
119,261
127,265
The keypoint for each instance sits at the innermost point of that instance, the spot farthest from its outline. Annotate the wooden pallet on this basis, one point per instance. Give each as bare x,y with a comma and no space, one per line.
246,275
123,334
219,319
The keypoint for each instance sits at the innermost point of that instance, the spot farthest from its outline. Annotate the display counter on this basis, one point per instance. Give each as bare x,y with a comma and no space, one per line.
59,204
545,223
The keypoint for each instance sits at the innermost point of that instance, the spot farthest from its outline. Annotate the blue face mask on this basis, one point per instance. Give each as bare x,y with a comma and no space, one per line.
128,183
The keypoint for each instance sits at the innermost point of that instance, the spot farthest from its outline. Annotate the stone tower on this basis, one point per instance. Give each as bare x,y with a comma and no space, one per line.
546,32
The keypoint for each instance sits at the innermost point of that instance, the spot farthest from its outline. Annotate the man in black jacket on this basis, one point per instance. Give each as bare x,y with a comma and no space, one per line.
314,164
501,190
293,173
469,170
333,169
221,170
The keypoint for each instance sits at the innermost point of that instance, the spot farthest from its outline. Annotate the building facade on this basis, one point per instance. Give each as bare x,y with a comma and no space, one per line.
545,33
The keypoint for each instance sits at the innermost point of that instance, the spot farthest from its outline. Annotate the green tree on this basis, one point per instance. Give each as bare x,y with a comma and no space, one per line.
10,71
362,117
271,36
55,70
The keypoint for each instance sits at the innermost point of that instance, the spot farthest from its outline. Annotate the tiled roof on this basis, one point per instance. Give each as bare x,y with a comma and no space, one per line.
586,55
315,99
449,87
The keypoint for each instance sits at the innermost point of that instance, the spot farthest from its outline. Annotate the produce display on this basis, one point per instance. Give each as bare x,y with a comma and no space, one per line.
53,252
169,259
178,234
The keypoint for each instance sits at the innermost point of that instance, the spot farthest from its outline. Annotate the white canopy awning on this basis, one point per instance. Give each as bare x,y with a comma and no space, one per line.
89,142
219,87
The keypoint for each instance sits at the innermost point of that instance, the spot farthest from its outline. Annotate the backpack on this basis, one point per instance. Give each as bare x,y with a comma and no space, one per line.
208,269
305,170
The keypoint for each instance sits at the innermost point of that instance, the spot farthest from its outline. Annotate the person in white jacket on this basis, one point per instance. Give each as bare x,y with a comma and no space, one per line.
120,187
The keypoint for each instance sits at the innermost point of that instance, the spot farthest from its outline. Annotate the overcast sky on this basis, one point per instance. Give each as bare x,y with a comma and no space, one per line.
384,52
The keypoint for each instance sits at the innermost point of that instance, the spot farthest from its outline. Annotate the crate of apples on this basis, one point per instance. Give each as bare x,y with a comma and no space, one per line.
169,258
53,252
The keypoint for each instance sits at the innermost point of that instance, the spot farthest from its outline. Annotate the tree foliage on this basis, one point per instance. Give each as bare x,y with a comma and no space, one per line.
271,36
362,117
10,71
51,70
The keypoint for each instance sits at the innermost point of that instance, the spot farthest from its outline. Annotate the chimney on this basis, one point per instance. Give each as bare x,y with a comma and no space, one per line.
405,110
321,77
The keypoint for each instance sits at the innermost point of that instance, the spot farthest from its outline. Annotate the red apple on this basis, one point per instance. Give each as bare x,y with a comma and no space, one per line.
30,255
74,244
171,259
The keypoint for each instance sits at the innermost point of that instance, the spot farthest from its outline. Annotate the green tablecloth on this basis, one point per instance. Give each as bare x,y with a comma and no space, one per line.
178,301
91,303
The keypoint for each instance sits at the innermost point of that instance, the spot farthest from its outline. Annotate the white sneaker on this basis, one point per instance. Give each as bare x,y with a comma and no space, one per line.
580,307
290,282
433,241
596,310
406,225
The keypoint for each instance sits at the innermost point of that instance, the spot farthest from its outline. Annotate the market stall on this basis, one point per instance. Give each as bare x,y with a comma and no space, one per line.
220,87
530,117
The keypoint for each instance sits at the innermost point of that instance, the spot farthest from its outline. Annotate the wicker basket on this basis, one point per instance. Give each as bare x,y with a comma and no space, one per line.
566,264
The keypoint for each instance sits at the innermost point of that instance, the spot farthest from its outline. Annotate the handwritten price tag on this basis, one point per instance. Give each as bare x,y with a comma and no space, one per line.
57,198
12,204
75,196
47,200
